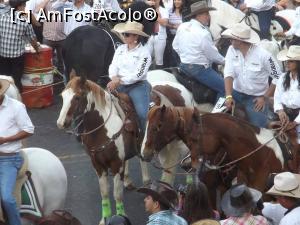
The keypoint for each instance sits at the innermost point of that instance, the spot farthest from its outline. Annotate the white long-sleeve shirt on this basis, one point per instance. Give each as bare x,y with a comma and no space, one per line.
108,5
194,45
290,98
260,5
295,27
250,74
130,65
14,119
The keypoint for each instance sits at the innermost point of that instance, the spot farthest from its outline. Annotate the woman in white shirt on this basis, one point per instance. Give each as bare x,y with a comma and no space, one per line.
129,67
287,92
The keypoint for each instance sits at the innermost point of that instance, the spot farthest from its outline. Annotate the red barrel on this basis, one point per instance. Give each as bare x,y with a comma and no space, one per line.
38,75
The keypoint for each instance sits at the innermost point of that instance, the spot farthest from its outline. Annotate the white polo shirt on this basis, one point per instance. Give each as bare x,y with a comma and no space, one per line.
260,5
251,73
71,24
14,118
290,98
194,45
130,65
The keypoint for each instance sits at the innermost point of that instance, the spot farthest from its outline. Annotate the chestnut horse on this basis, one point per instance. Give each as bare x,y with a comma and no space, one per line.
254,150
107,143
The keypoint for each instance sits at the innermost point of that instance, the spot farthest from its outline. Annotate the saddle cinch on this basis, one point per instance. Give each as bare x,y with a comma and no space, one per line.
201,93
21,179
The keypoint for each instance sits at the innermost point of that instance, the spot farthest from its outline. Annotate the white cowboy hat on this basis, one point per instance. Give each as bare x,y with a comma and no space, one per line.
199,7
207,222
293,53
286,184
241,32
4,85
130,27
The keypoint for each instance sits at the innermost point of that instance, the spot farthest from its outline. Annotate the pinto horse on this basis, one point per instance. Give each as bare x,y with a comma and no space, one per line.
49,178
254,150
109,144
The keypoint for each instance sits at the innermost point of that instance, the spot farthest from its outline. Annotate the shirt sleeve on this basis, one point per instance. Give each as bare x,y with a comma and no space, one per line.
228,68
210,51
175,43
273,68
115,6
164,13
140,71
113,69
277,95
254,3
23,121
29,32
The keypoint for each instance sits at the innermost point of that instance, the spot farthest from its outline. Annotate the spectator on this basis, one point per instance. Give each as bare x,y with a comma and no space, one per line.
207,222
196,203
15,125
77,7
4,7
160,200
157,41
118,220
247,71
168,4
194,44
13,37
265,11
237,204
286,188
34,7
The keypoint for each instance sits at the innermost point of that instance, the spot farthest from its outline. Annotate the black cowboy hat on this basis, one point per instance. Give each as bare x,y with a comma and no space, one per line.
16,3
239,199
199,7
161,191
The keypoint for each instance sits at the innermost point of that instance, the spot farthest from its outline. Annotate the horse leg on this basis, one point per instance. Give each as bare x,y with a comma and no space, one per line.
104,190
118,194
145,172
127,181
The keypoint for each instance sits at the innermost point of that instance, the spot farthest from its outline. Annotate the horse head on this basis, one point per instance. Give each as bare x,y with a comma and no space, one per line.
161,129
74,101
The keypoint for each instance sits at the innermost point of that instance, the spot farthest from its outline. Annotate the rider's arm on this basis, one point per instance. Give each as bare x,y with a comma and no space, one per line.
210,50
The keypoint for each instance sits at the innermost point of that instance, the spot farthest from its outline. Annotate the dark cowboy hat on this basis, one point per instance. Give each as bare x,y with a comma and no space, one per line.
4,85
16,3
199,7
118,220
161,191
239,199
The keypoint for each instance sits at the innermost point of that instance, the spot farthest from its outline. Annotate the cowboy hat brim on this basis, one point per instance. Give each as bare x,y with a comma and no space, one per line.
120,28
293,193
283,56
156,195
230,210
254,38
200,11
206,222
4,85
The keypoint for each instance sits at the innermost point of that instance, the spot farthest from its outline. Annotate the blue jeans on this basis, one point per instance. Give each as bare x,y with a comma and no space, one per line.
139,94
9,166
264,19
258,119
208,77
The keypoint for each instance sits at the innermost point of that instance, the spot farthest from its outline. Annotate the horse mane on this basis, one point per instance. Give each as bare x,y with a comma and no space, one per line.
233,119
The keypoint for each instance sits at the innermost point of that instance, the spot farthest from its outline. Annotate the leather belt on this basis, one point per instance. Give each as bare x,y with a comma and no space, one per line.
7,154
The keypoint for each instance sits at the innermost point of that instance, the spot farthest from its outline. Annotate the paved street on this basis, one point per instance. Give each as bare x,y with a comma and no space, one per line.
83,199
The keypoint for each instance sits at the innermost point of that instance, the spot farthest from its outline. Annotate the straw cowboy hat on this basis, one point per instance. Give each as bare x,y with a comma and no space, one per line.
4,85
130,27
293,53
207,222
286,184
241,32
239,199
199,7
161,191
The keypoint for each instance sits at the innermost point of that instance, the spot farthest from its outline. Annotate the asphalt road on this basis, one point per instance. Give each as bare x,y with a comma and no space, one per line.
83,198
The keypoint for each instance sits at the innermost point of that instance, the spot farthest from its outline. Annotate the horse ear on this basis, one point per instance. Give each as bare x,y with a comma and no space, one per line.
196,115
72,74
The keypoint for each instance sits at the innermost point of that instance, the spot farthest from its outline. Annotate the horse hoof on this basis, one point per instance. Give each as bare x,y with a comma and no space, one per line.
102,222
130,187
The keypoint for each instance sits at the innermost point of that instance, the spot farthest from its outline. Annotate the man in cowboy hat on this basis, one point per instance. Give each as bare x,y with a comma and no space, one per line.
247,71
13,37
194,44
15,125
286,188
160,199
237,204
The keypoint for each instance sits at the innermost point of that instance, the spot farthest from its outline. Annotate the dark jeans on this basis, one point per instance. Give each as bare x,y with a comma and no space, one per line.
264,19
57,47
13,67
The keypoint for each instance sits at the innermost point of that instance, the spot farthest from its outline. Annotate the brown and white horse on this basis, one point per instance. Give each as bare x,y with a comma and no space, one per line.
106,142
208,133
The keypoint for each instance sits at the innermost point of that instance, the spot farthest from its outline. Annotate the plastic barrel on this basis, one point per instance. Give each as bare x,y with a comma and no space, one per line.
38,74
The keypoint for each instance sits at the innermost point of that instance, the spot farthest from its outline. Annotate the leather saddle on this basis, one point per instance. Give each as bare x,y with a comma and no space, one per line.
201,93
